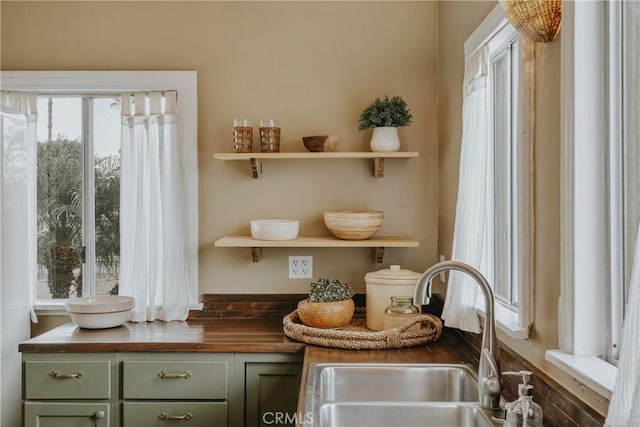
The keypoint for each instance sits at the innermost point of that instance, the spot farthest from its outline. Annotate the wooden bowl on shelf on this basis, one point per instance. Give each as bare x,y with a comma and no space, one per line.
319,143
353,224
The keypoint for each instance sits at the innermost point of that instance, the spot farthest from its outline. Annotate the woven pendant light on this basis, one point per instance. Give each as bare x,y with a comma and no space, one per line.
538,20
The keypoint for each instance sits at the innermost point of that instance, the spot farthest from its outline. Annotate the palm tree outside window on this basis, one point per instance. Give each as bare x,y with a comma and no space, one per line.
78,196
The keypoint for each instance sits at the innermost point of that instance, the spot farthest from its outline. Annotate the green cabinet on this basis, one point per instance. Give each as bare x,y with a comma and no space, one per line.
157,414
176,379
69,390
160,389
66,414
67,379
271,384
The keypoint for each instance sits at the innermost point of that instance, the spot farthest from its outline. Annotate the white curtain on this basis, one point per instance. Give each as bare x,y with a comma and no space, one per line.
153,242
19,196
18,243
470,238
624,409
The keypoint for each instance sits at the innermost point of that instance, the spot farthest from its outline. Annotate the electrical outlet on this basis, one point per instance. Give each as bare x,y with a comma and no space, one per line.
306,267
300,267
442,276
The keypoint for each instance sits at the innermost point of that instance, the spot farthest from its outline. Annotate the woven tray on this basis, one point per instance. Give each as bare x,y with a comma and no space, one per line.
422,329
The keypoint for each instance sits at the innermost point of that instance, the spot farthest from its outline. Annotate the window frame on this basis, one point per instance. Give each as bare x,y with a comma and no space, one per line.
616,179
109,82
623,19
591,235
516,322
505,192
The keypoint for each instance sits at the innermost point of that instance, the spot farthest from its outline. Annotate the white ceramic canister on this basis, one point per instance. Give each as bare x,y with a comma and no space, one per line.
381,286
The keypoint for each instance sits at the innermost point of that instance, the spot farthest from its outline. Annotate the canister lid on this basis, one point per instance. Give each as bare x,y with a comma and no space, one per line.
394,272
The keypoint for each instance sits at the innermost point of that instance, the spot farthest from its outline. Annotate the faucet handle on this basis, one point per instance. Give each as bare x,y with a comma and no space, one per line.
493,365
492,377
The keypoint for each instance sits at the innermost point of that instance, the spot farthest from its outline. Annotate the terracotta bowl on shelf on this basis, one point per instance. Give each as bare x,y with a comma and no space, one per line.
319,143
324,315
353,224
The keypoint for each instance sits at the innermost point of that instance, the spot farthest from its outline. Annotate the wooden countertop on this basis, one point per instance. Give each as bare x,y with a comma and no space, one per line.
444,350
227,323
250,336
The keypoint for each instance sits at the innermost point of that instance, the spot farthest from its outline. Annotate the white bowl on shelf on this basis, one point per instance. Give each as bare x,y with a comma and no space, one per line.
274,229
100,311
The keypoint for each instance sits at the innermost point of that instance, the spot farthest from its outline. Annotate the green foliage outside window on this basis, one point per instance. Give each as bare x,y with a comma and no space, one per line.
60,212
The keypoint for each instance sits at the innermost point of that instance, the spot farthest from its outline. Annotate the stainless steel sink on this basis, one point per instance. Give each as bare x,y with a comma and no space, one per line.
405,414
392,394
393,382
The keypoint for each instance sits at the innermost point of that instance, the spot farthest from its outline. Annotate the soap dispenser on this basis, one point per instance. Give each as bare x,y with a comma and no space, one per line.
524,411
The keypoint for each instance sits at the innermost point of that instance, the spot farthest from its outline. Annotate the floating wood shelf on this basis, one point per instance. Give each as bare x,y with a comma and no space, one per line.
377,243
255,159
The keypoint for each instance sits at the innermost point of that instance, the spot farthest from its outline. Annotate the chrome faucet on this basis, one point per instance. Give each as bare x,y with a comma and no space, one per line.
489,387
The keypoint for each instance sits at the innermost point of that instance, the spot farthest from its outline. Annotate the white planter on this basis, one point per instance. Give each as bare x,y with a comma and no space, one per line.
385,139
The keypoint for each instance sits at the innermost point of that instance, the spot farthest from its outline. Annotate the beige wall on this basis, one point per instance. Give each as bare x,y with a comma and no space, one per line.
314,66
457,20
48,322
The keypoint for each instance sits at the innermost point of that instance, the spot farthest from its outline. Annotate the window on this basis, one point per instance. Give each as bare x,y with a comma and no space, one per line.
78,196
600,185
502,81
509,83
624,149
88,98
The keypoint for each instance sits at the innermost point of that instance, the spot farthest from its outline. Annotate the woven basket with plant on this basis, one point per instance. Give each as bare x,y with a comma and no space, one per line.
329,304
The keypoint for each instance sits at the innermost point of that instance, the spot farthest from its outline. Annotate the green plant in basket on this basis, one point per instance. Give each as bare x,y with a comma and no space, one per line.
329,304
329,289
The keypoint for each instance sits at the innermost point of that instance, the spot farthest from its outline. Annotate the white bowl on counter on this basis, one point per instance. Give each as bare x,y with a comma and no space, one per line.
100,311
274,229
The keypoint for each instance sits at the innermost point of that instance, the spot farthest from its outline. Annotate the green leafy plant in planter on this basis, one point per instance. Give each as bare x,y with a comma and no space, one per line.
385,116
386,113
329,304
329,289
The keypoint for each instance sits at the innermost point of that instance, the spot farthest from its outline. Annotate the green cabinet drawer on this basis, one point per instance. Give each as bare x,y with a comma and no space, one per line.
157,414
271,393
67,414
53,379
204,380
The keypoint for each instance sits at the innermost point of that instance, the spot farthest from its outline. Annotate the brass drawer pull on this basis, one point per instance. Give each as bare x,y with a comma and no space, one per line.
166,417
58,376
166,375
